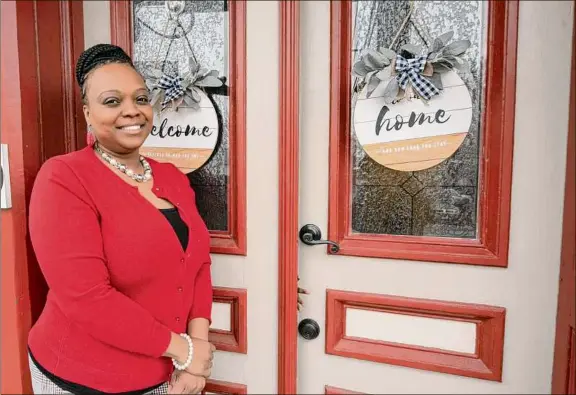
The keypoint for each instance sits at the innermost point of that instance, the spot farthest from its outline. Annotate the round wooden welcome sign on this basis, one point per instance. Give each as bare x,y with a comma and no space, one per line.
414,135
186,138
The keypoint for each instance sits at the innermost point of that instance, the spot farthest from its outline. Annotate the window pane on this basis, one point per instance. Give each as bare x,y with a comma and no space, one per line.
158,42
440,201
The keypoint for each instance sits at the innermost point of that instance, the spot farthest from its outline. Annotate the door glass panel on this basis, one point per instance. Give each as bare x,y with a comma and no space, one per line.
440,201
160,42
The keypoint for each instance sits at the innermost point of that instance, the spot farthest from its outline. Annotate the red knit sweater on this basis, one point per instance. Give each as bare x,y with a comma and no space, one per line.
118,278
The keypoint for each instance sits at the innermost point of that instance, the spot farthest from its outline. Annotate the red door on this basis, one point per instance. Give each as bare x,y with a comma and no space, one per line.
39,115
564,373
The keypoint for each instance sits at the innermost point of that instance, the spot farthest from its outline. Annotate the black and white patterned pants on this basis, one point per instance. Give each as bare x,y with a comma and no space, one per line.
43,385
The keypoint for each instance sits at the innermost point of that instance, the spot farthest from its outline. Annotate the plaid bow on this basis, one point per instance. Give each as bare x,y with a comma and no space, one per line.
409,70
172,86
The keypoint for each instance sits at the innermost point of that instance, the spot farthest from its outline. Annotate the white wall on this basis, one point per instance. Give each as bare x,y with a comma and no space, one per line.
96,22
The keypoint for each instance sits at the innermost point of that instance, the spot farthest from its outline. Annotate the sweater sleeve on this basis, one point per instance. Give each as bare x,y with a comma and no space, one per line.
66,237
202,305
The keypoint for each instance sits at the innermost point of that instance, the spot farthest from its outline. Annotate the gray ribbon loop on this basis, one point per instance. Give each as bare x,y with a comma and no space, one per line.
409,70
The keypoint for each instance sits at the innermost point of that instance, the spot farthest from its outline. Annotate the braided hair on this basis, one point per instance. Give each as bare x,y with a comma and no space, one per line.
96,56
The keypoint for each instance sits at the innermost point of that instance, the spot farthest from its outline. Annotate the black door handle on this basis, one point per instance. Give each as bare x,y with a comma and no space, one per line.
309,329
311,235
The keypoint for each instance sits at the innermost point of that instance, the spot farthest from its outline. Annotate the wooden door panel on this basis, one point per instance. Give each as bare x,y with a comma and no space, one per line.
415,290
243,326
476,331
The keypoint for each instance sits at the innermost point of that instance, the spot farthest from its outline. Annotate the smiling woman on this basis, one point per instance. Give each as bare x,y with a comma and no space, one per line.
130,290
116,104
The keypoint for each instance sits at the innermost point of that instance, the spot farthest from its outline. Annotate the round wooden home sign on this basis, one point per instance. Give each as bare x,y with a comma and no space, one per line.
186,138
413,134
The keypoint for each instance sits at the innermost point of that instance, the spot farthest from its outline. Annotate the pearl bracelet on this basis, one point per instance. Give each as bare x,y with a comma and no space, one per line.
179,366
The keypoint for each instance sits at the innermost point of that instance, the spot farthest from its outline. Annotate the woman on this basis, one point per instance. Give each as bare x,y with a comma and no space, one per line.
123,250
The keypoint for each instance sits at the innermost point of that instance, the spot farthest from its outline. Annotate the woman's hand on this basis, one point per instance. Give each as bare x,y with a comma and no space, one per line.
201,364
203,354
301,291
186,383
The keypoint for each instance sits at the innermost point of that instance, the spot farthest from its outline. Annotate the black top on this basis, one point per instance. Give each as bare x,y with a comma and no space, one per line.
180,227
181,230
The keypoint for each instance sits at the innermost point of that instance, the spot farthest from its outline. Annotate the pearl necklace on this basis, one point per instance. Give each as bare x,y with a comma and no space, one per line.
124,169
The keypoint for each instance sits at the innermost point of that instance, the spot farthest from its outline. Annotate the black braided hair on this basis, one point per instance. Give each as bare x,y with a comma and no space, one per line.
96,56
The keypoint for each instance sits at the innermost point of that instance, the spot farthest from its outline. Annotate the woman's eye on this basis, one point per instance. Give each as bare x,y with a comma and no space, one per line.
143,100
111,102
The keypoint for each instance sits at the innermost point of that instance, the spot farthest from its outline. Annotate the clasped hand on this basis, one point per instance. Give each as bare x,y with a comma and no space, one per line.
203,356
186,383
193,379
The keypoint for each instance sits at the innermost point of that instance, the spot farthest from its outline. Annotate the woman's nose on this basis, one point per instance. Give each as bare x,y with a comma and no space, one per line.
129,109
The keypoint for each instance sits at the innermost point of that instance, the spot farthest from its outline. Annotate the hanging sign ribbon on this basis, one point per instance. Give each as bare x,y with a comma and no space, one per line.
409,71
172,87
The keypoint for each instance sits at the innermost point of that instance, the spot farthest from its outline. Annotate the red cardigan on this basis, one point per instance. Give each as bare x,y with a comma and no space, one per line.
119,280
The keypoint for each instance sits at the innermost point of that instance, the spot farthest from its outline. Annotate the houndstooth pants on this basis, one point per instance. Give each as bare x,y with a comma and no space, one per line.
43,385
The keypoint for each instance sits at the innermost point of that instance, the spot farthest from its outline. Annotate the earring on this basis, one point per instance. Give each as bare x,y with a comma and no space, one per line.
90,138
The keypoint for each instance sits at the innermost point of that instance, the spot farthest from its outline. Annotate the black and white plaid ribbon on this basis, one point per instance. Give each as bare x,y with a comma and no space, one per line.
409,71
172,86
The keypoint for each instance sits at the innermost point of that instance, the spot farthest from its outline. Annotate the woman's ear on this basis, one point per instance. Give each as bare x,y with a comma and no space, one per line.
86,111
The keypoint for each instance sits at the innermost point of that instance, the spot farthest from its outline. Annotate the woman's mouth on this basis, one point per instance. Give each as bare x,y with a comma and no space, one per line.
132,129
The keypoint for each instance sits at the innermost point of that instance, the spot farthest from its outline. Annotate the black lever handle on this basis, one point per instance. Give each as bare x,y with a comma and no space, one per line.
311,235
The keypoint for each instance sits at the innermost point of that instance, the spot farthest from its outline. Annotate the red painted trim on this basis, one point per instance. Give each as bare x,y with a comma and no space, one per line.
61,122
485,363
224,387
37,63
570,383
339,148
58,49
121,24
234,340
563,374
288,197
232,241
328,390
72,15
17,39
491,249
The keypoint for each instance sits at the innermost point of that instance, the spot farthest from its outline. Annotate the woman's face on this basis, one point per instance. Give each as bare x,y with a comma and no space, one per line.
118,108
